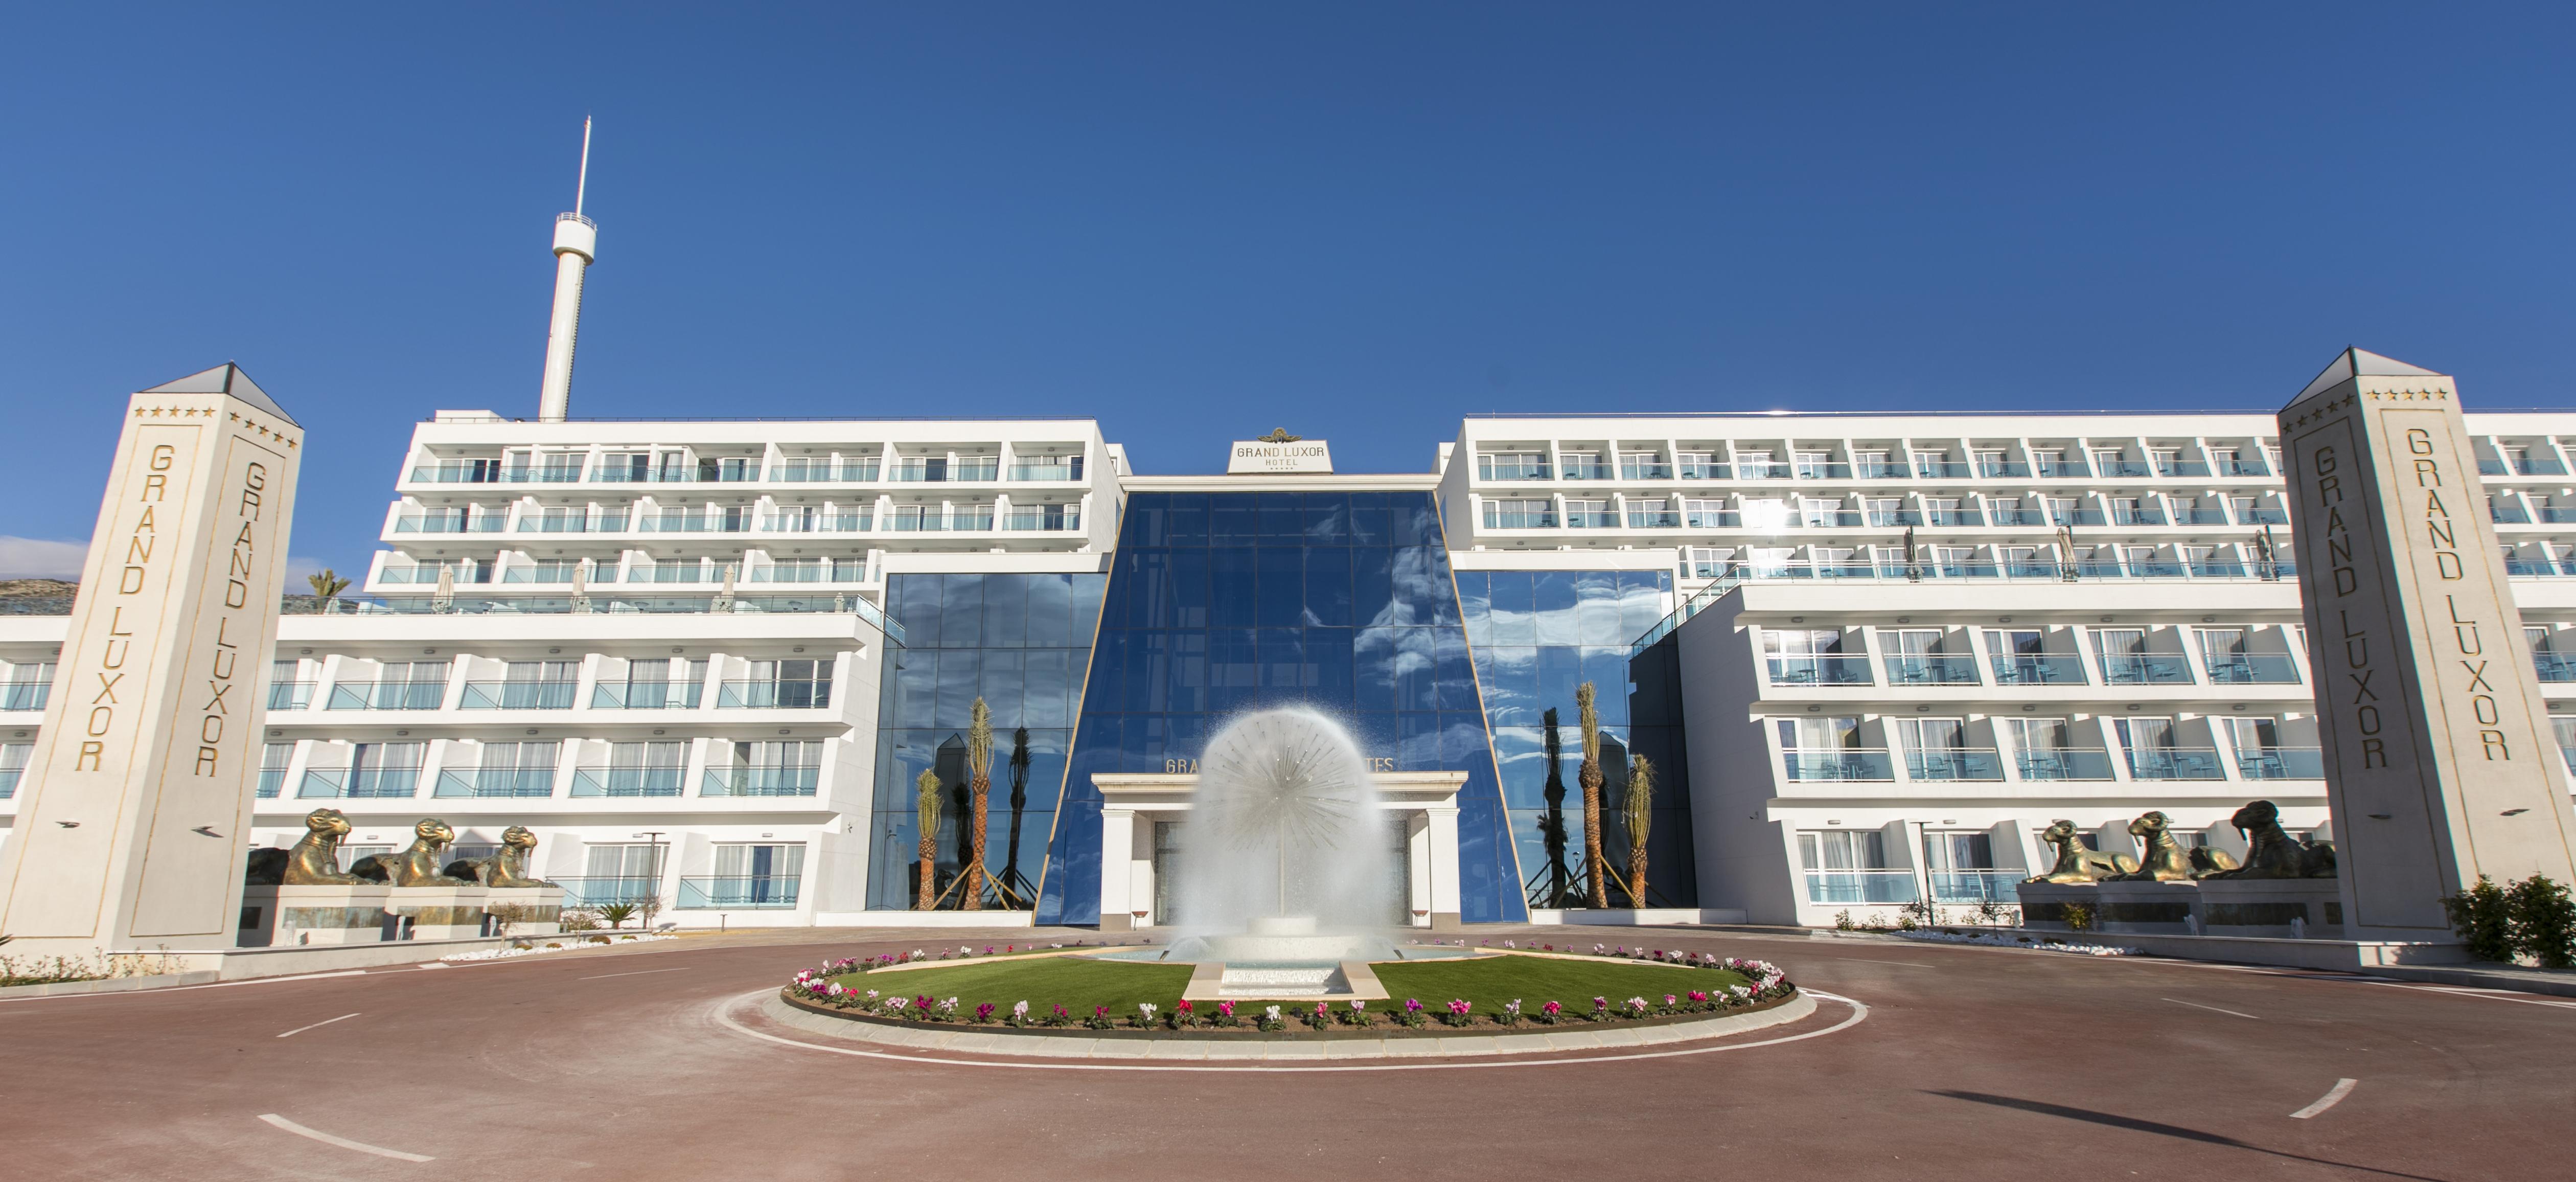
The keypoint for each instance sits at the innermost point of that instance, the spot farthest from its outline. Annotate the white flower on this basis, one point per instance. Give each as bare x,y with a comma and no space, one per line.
872,995
1020,1011
1274,1011
1147,1007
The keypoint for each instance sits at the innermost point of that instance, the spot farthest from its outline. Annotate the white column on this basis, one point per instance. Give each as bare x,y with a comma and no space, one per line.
1117,854
1444,865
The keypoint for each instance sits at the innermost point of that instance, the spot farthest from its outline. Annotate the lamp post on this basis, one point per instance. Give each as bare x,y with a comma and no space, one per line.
653,900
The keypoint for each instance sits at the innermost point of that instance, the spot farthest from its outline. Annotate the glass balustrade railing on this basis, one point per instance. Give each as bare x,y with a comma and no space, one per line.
387,695
519,782
741,893
2063,763
1967,763
2133,669
1842,764
1045,472
2252,669
1653,519
778,695
2553,667
626,781
1930,669
2282,763
517,695
1819,670
1976,886
449,525
25,695
599,891
290,695
1701,471
1538,520
753,780
2038,669
2175,763
361,784
1860,886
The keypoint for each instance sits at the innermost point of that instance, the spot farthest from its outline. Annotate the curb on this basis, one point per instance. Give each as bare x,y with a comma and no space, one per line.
1278,1047
110,985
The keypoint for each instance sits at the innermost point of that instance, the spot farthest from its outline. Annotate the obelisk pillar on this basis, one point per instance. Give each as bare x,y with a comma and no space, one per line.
2439,758
135,812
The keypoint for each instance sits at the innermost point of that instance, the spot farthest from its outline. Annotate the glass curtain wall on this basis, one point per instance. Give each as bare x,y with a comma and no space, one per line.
1537,635
1022,643
1222,602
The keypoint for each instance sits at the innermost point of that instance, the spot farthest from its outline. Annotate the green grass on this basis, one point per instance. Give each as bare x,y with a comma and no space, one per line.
1073,982
1078,983
1534,981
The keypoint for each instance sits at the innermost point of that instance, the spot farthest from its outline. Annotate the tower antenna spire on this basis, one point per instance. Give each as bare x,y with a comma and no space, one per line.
576,244
581,188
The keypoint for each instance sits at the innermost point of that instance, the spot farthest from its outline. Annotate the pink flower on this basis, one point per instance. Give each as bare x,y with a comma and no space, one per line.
1552,1009
1412,1006
1226,1008
1185,1005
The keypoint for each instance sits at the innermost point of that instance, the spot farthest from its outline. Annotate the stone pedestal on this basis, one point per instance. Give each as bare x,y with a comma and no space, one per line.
2266,907
439,912
525,911
285,916
2263,907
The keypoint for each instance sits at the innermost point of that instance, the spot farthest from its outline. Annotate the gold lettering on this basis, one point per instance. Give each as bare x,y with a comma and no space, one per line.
2372,754
155,487
2419,441
205,761
87,761
2493,741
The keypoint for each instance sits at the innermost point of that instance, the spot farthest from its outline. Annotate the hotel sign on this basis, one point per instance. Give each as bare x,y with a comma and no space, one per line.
1279,456
2440,763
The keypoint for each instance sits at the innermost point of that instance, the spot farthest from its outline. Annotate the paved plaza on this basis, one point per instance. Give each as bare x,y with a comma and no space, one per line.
1920,1061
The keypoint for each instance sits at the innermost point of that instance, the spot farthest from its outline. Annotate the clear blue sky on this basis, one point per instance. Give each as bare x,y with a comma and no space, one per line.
1197,222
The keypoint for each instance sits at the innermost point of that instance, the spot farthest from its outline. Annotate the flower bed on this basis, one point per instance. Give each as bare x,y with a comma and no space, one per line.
1605,990
1998,940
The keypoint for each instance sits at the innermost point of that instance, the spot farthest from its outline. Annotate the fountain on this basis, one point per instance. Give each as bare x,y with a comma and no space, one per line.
1284,872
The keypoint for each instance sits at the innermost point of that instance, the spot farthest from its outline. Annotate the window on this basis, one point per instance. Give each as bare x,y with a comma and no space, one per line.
648,768
1814,465
751,876
13,765
1933,734
1651,513
1711,562
273,760
1754,465
1883,511
617,874
767,768
1520,514
1701,465
1850,866
517,769
1587,514
1643,465
1843,849
1992,462
1820,734
1584,465
2167,461
1706,514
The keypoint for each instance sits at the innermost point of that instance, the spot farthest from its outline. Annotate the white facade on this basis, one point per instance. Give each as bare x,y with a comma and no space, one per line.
660,644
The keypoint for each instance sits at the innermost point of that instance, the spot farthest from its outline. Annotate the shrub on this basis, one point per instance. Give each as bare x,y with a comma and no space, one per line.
1549,1014
1843,921
1319,1017
1357,1015
2483,916
1100,1019
1185,1016
1511,1014
1225,1016
2544,921
1411,1015
1460,1014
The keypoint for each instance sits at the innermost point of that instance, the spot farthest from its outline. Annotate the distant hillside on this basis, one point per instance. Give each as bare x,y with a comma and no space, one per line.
37,589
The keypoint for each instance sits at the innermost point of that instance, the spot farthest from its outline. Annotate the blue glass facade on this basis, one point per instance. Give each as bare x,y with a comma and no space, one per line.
1019,641
1221,602
1536,636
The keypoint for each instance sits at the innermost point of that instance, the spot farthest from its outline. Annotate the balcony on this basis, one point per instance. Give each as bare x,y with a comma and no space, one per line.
2253,669
1944,470
2244,468
374,783
1823,470
1950,517
738,893
1488,469
2556,514
1058,473
2282,763
2175,763
605,523
290,695
626,781
1931,669
2507,513
2144,670
25,695
2064,763
458,472
1889,518
2061,469
388,695
1963,763
2215,568
1860,886
2137,515
1706,471
2121,469
825,472
2017,516
448,524
963,520
775,695
1976,886
518,695
1544,519
819,523
2181,468
760,780
1822,670
1872,469
1992,469
522,782
1049,519
2038,669
1712,519
272,780
1645,470
1591,519
9,782
2264,516
1838,766
2530,567
596,891
1654,519
2553,667
674,523
2200,515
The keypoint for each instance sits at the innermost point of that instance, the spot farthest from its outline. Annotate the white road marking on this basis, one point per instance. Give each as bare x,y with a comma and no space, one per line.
2213,1009
724,1017
2334,1096
324,1022
342,1142
636,973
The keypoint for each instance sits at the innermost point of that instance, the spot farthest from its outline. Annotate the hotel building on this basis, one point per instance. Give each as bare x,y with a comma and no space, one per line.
1869,657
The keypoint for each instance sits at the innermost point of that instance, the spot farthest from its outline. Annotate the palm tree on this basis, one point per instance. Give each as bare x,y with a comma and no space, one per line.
979,781
1553,825
327,585
928,785
1589,775
1011,880
1641,816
